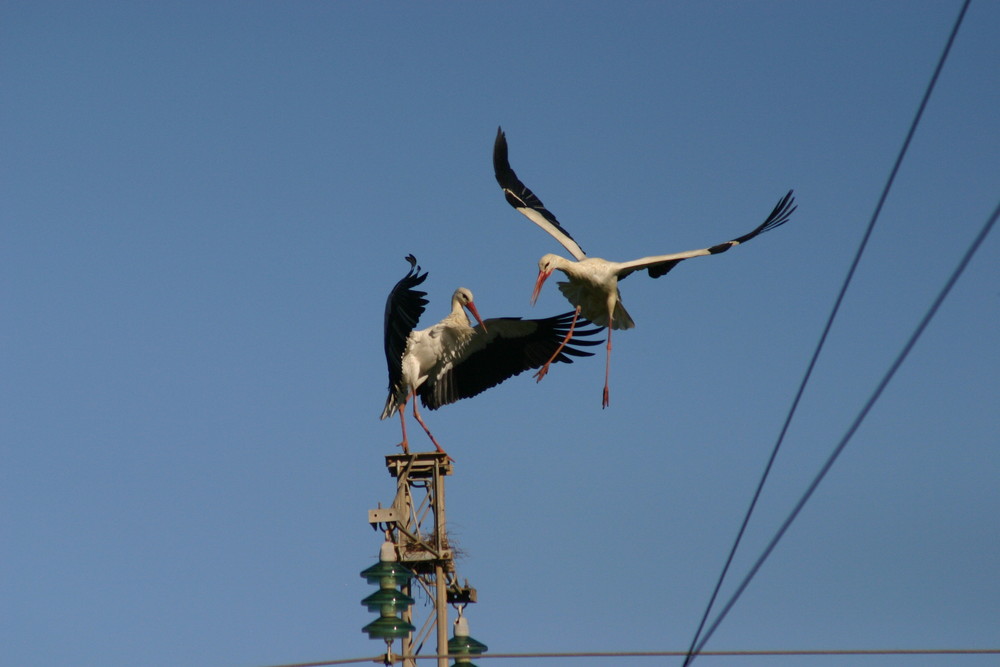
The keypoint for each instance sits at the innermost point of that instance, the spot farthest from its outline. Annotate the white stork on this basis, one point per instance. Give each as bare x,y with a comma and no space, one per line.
453,360
593,282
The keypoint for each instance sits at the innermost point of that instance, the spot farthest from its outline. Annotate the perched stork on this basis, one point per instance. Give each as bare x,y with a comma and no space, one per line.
593,282
453,360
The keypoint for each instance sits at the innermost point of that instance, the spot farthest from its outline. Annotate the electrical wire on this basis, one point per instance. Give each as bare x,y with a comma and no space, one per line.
749,653
666,654
857,421
692,651
326,663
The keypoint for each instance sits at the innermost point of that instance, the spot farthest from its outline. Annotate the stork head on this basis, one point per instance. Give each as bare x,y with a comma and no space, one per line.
545,267
463,297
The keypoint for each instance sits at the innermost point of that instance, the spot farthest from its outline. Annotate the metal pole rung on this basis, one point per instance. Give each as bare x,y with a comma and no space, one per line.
420,465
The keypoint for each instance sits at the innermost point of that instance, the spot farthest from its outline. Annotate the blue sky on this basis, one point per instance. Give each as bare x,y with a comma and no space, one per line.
205,205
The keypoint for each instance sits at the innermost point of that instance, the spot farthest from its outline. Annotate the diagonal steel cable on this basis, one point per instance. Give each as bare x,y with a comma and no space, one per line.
857,421
692,651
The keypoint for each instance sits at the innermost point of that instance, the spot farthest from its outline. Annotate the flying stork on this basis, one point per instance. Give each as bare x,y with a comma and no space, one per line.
593,282
452,360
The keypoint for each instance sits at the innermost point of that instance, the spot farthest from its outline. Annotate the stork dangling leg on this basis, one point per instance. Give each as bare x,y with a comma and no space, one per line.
612,303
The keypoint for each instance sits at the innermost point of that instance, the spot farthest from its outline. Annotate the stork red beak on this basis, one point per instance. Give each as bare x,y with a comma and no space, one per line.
542,275
475,313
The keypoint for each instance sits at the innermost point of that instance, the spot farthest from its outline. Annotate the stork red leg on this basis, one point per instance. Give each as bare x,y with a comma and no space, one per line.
402,422
569,335
427,430
607,371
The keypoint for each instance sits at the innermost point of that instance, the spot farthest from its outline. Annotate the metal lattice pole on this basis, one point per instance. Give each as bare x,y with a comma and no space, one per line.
417,525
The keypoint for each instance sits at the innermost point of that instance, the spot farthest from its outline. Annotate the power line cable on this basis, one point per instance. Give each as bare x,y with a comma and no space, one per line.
670,654
741,654
857,421
327,663
826,330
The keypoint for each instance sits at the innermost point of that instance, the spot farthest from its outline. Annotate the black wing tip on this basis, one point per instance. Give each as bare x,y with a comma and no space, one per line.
560,327
500,143
414,275
567,352
782,211
588,332
501,164
780,214
414,266
567,317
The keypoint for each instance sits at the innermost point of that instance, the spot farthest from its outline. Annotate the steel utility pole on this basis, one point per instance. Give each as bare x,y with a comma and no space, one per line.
416,524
